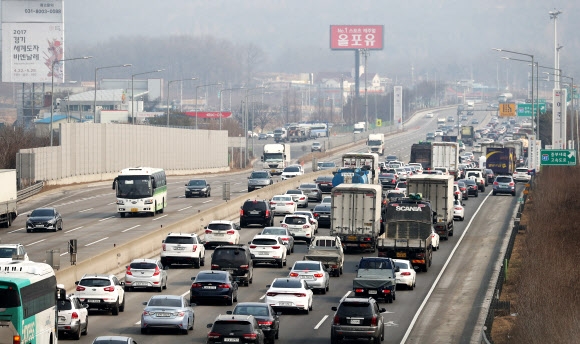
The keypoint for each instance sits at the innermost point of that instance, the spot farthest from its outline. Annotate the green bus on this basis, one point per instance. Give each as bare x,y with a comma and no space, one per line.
141,190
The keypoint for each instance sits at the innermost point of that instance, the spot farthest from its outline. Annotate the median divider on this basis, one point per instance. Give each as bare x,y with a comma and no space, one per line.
149,245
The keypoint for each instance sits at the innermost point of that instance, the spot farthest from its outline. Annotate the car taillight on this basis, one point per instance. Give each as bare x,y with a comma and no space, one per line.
128,272
242,212
276,247
374,320
299,294
208,231
265,322
253,246
163,247
457,208
109,289
511,184
284,225
213,335
318,275
231,232
79,288
359,290
244,267
495,183
272,203
316,214
157,271
194,248
293,274
302,198
305,226
252,336
406,273
271,294
267,213
285,239
224,286
215,266
196,285
336,320
290,203
74,315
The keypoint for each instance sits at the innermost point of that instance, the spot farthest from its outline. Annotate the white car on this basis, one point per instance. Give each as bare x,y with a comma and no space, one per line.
406,274
313,272
326,199
299,226
521,175
282,204
401,173
268,249
221,232
182,248
401,187
7,251
289,293
292,171
310,215
73,317
101,292
429,115
438,132
299,197
418,167
283,234
458,210
434,240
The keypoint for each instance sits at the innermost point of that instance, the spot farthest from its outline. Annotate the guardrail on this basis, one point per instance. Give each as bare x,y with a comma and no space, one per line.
29,191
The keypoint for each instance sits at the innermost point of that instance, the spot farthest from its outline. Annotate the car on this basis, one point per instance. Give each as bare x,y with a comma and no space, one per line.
114,340
393,195
270,134
324,183
438,133
430,136
458,210
230,328
479,178
456,191
410,171
463,189
268,319
283,204
401,173
102,292
429,115
300,227
282,233
521,174
381,268
437,172
44,219
312,191
145,273
391,157
357,318
268,249
213,285
401,186
326,165
73,317
322,214
310,215
169,312
472,187
489,175
289,293
406,275
197,187
299,197
326,199
388,180
236,259
262,136
316,147
450,119
292,171
504,184
417,166
182,248
221,232
444,170
256,212
474,121
434,240
259,179
8,252
313,273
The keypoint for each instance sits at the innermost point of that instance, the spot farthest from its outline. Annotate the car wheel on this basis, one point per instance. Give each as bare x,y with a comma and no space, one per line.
160,289
322,291
77,336
184,331
280,264
236,297
250,190
284,262
513,194
292,249
230,301
143,330
55,228
122,214
122,306
463,218
86,330
28,230
327,287
115,310
165,285
434,248
196,263
493,193
202,263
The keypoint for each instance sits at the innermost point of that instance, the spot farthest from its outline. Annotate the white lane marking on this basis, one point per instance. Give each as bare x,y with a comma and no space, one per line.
158,218
16,230
347,294
128,229
63,254
391,323
434,285
112,203
82,211
94,242
207,201
74,229
320,322
183,295
138,322
184,208
262,297
237,183
106,218
36,242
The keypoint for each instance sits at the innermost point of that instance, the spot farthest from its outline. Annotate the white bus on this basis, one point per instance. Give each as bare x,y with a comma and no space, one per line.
28,295
318,130
141,190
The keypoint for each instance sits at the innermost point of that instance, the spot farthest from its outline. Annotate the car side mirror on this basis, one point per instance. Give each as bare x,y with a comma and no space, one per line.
229,312
268,286
28,215
209,325
185,184
382,310
77,283
193,278
121,283
397,269
289,268
334,308
208,185
249,242
144,303
163,241
248,177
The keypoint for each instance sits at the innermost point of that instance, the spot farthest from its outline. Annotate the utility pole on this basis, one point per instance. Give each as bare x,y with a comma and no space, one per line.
554,15
365,53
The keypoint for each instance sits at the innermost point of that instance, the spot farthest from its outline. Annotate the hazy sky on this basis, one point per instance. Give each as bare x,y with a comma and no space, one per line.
434,36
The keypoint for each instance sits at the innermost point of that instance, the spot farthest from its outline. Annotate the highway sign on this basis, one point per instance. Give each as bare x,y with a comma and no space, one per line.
379,122
541,101
525,110
507,109
558,157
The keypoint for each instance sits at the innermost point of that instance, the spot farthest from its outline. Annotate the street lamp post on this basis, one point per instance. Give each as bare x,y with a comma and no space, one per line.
95,98
246,129
220,97
52,88
196,88
133,91
560,75
169,83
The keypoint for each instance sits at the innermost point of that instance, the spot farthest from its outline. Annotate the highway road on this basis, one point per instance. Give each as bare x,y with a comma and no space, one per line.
448,316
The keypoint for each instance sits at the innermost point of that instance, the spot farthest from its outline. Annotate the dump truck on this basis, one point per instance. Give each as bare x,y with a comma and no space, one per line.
328,250
422,153
8,197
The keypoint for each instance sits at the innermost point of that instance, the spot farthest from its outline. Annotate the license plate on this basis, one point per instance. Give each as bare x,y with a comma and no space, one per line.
306,277
372,292
39,226
263,253
231,339
273,171
351,238
210,287
162,315
324,216
179,248
355,321
352,245
254,212
93,300
401,254
282,303
139,284
280,204
134,210
217,234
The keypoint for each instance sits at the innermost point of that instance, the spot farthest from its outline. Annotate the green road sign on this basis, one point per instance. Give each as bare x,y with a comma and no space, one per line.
525,110
558,157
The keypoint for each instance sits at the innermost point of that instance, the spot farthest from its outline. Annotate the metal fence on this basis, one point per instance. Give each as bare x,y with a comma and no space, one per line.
29,191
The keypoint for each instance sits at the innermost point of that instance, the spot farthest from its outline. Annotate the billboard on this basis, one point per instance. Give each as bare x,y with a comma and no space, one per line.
32,11
559,119
209,114
398,106
350,37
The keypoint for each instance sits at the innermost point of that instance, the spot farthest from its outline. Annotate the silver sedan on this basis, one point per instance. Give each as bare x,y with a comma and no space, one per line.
284,234
313,273
167,311
299,197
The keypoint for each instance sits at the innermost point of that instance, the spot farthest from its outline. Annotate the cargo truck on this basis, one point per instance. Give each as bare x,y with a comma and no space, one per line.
446,154
276,157
376,144
501,161
280,135
467,134
364,161
8,197
408,227
329,251
360,127
517,145
438,189
356,215
422,153
486,145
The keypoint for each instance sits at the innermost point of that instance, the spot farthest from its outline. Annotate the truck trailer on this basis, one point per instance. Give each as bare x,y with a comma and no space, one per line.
446,154
8,197
422,153
501,161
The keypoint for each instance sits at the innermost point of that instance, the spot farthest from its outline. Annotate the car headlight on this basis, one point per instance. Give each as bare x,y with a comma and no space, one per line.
120,202
204,189
51,221
149,201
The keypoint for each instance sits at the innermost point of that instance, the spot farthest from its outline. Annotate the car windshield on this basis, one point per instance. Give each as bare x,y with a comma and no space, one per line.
143,266
196,183
64,305
295,220
287,283
402,265
165,302
292,169
259,175
354,308
469,181
375,264
95,282
230,255
294,192
282,199
274,231
254,205
503,180
133,187
183,240
309,214
327,164
7,252
254,310
210,277
306,266
232,327
322,208
219,226
324,179
42,212
264,242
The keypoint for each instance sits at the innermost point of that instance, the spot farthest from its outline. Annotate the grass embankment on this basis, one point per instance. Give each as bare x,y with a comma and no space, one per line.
543,284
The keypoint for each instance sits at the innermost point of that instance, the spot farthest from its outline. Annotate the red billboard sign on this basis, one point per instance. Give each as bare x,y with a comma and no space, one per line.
209,114
349,37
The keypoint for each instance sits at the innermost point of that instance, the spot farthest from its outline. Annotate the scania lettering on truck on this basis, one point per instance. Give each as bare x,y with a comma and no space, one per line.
446,154
356,215
8,197
438,189
376,144
276,157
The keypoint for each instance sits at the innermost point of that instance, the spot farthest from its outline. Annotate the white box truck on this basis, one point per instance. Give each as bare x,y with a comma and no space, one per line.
445,154
356,215
438,189
376,143
276,157
360,127
8,197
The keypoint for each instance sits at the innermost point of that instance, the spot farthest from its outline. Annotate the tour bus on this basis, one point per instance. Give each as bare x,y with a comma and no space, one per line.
318,130
28,295
141,190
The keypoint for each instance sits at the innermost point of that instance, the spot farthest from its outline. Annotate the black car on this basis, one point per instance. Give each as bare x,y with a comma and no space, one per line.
322,214
213,285
44,219
463,189
388,180
236,259
256,212
472,187
197,187
229,328
357,318
324,183
489,175
267,318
